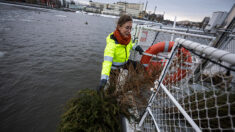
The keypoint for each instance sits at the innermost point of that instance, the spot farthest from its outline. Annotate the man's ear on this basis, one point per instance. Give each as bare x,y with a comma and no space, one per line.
118,27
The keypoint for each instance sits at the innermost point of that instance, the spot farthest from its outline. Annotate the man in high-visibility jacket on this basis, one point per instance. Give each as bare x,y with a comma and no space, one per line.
118,47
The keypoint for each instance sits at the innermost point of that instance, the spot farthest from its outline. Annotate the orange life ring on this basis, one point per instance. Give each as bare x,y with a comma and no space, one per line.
152,66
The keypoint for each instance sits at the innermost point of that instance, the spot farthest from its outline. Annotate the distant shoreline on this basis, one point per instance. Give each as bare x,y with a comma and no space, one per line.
35,5
48,7
165,22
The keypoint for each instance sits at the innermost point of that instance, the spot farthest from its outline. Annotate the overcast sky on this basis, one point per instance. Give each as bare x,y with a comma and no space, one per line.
194,10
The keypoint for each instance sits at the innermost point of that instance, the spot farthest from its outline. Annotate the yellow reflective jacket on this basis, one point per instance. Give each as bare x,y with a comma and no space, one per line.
115,55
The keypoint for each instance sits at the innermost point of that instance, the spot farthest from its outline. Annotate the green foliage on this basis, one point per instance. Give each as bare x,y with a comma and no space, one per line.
89,112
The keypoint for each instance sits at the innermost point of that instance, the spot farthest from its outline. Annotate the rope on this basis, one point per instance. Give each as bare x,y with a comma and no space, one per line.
156,36
203,57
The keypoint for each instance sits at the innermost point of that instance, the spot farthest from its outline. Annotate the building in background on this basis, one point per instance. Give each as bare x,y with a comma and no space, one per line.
185,23
76,7
92,9
98,5
155,17
230,17
133,9
216,21
204,23
113,9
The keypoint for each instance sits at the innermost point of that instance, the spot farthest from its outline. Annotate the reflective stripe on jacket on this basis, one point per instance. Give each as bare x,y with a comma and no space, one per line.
115,55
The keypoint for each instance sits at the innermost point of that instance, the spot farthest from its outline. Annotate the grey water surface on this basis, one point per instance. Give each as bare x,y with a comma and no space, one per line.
46,56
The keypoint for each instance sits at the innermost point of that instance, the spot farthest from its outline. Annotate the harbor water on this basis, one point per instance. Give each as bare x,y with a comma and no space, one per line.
46,56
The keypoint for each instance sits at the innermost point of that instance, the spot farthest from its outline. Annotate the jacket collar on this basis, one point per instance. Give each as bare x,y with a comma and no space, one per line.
114,38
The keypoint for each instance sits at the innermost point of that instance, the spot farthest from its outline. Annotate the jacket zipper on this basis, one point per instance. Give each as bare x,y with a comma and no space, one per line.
126,53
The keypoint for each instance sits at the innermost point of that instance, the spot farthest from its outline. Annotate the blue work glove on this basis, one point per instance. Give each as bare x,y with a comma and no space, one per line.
138,48
102,85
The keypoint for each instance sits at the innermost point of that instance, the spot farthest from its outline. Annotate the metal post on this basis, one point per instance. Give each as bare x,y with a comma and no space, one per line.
155,9
172,35
181,109
180,33
158,82
139,34
150,112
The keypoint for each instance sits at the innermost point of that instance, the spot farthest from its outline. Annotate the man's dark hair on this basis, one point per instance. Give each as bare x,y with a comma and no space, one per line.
123,19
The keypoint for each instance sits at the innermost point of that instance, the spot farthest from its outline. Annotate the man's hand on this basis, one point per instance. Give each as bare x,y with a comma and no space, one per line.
102,85
138,48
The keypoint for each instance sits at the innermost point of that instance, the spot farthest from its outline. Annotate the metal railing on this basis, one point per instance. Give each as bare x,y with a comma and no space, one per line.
199,98
167,105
